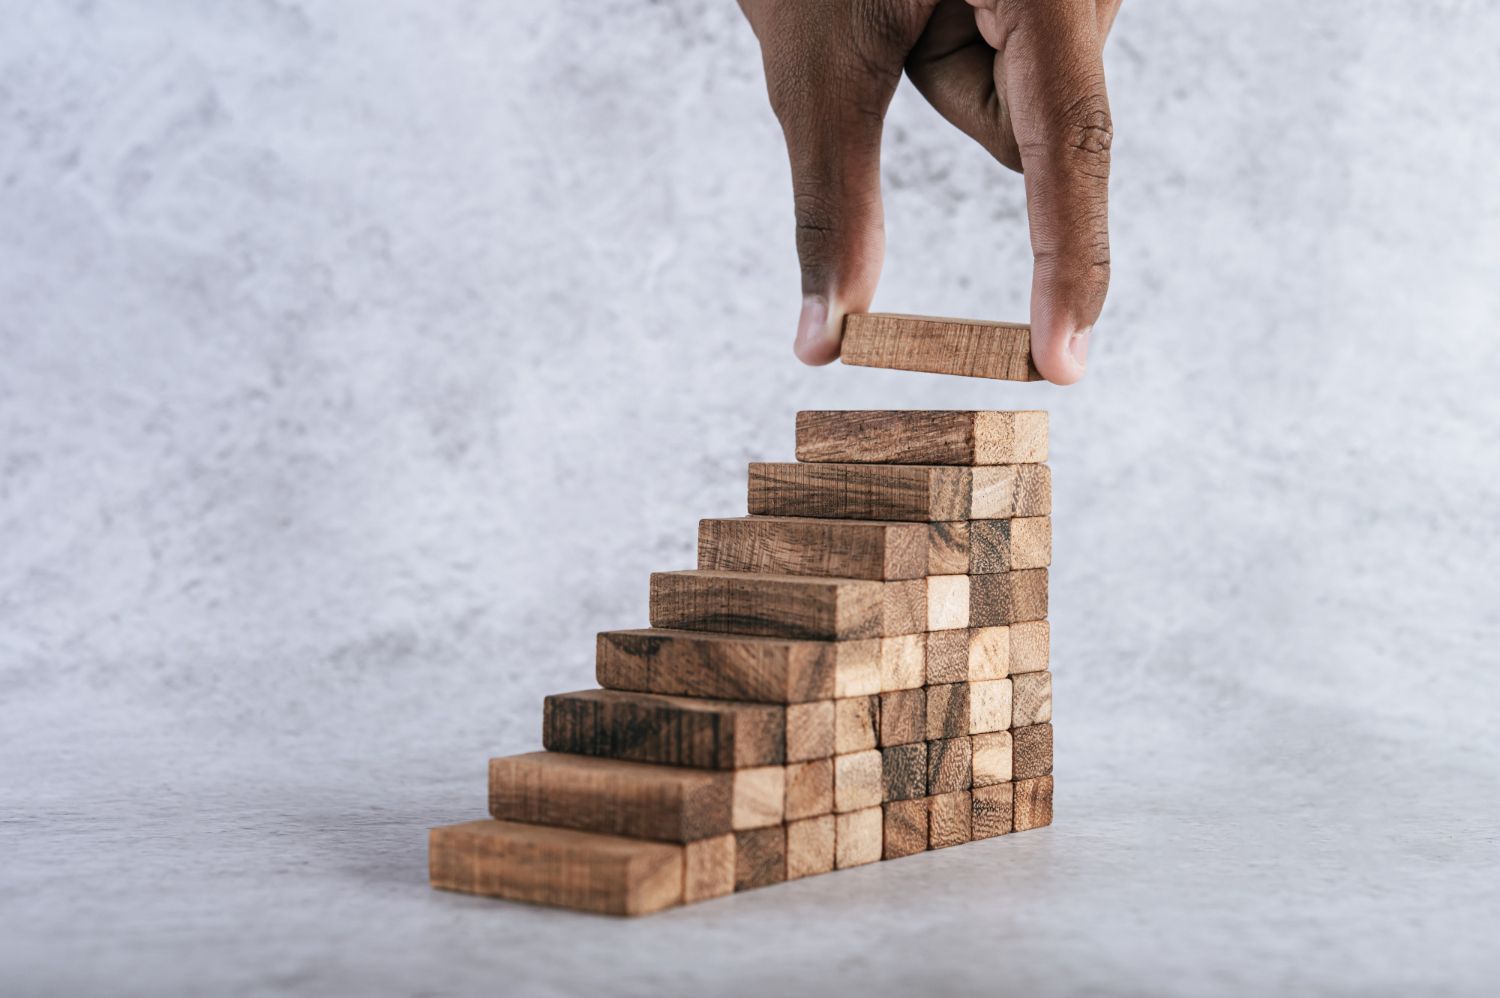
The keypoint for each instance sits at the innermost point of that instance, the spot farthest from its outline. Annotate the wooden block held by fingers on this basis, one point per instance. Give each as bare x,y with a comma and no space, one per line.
950,819
990,706
612,797
1033,806
948,711
905,827
904,771
903,662
948,548
708,868
1008,598
735,667
759,797
1030,645
916,436
992,758
1033,699
785,545
967,347
1009,545
809,730
759,857
857,781
856,724
809,789
950,764
903,717
948,656
858,836
947,602
556,866
676,731
1033,751
810,846
782,606
992,810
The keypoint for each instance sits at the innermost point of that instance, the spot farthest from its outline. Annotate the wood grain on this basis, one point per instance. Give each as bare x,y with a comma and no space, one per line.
947,711
809,730
947,656
810,846
1007,545
992,810
903,717
950,819
1004,491
918,436
759,797
611,796
965,347
556,866
992,758
988,653
856,724
759,857
863,491
735,667
903,662
676,731
990,704
1033,751
857,781
950,765
858,837
947,602
1030,646
809,788
905,830
708,868
1033,699
948,548
781,545
1033,804
1008,598
783,606
904,771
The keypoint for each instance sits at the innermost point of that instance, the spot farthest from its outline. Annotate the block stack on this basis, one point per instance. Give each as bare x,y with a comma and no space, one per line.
856,671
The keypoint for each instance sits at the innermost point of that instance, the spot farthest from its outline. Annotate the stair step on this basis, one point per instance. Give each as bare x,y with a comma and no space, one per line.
916,436
928,493
799,545
672,730
789,606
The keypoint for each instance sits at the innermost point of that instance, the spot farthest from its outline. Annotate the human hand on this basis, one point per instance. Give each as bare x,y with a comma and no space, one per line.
1023,78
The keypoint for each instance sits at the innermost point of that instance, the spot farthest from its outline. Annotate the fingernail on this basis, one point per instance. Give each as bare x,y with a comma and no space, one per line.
813,344
1078,345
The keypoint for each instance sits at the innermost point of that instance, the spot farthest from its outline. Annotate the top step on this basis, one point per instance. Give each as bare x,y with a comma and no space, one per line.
967,347
918,436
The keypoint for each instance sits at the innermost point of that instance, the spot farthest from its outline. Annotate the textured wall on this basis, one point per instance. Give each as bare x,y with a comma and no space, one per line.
359,360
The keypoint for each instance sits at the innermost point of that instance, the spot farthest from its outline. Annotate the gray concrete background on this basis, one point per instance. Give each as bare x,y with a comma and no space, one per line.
360,361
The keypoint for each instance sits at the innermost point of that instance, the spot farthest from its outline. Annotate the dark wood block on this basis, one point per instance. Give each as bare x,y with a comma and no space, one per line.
950,819
1009,545
759,857
947,657
947,710
950,765
948,548
784,545
914,436
783,606
966,347
992,810
904,771
1033,806
1007,597
905,827
903,717
1033,751
861,491
676,731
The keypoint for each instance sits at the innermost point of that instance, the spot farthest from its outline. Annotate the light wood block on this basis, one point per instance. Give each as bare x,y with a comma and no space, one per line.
950,765
809,789
904,771
948,548
903,662
903,717
947,657
950,819
1033,699
1010,545
857,781
736,667
905,830
992,810
708,868
990,704
1033,805
676,731
1033,751
556,866
947,602
965,347
759,797
858,837
931,493
1008,598
809,730
992,758
915,436
779,545
988,653
1030,645
947,711
810,846
783,606
856,724
759,857
612,797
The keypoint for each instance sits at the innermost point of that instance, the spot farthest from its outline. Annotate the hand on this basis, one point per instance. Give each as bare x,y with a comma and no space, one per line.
1023,78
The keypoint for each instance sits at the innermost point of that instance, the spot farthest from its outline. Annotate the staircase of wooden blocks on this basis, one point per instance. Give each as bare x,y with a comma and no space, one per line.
856,671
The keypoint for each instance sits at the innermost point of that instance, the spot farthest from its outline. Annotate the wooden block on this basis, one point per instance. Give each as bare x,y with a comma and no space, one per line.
556,866
948,548
967,347
856,724
1033,699
1033,807
708,868
809,730
1006,491
947,602
989,706
904,607
1033,751
677,731
917,436
809,789
759,797
992,810
759,857
611,797
950,819
950,765
903,662
947,657
904,771
992,758
903,717
784,606
1010,545
857,781
736,667
988,653
858,837
810,846
905,830
1008,598
1030,646
947,711
861,491
847,549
